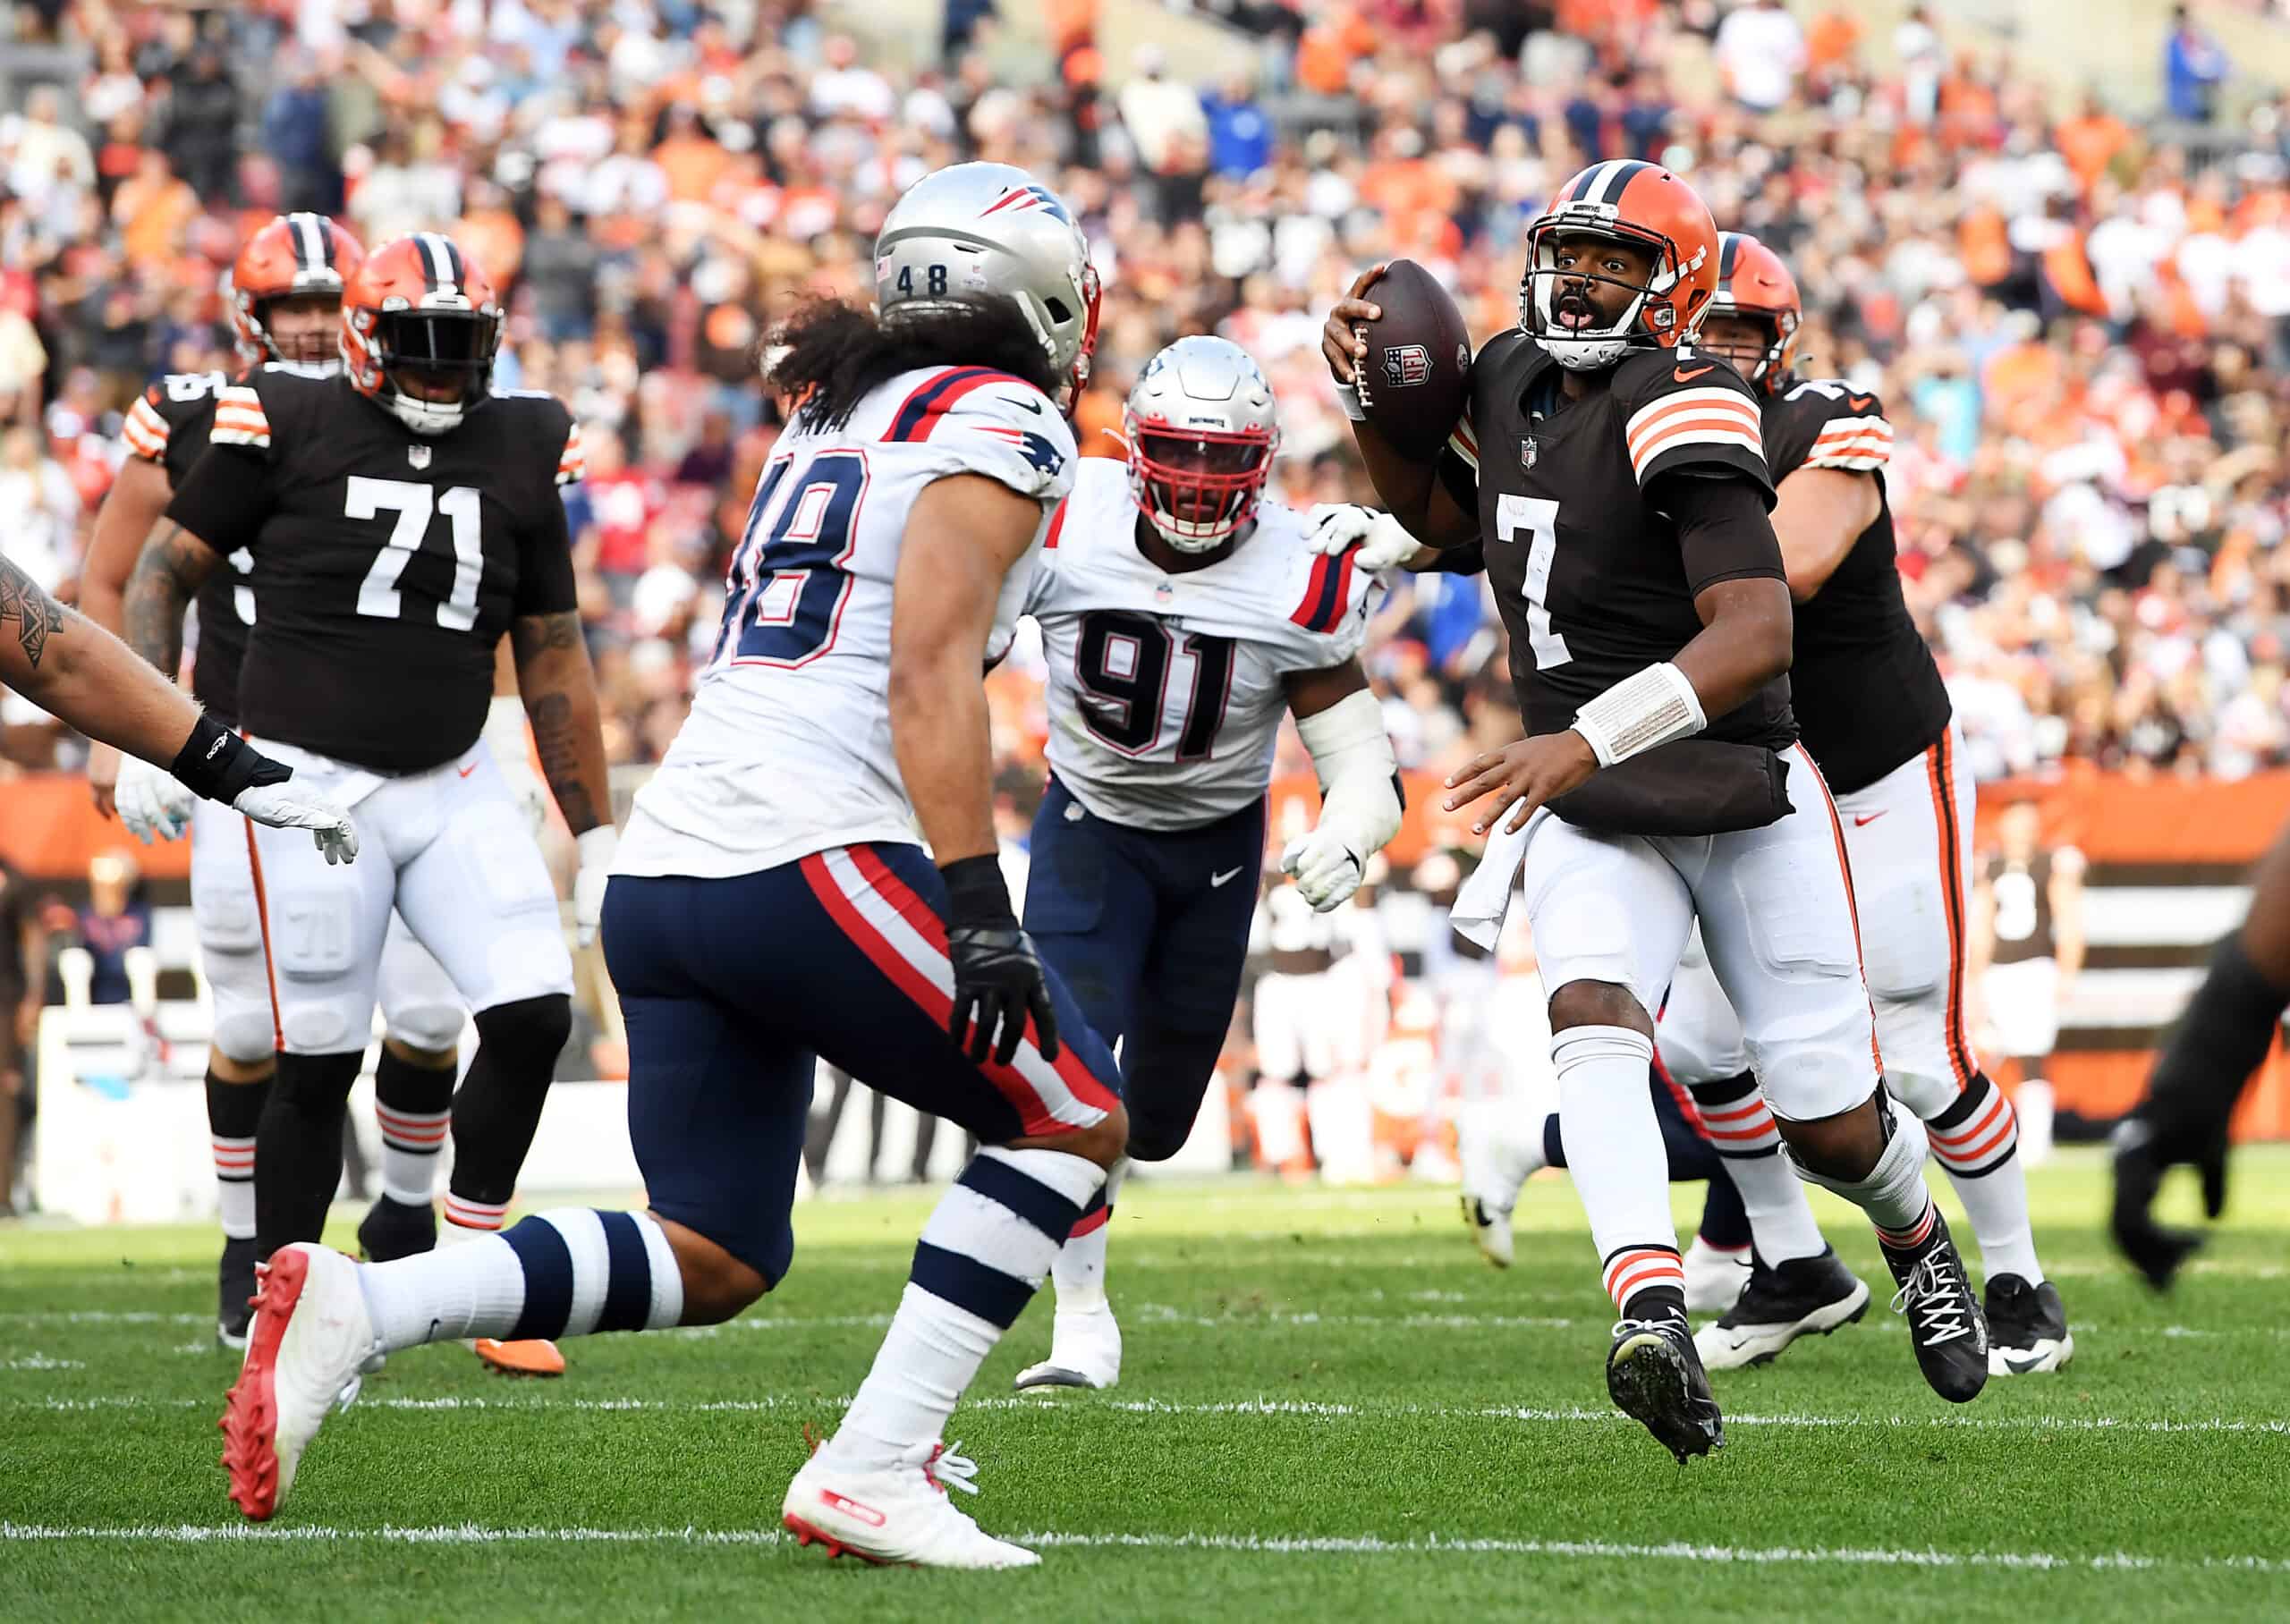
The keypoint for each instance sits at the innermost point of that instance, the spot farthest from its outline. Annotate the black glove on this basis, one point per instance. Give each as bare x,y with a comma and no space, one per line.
997,979
2143,1152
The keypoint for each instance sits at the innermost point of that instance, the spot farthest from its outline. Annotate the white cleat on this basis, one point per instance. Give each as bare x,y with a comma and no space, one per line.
311,1339
1714,1277
1084,1351
1490,1228
1501,1147
899,1515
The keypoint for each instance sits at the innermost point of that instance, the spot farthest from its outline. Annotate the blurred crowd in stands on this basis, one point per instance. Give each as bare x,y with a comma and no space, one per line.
2076,308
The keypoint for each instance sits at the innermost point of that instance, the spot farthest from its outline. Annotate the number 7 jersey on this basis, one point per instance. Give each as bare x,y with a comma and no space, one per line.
788,748
1166,691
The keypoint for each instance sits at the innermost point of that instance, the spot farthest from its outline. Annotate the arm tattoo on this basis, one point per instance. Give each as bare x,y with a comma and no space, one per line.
168,576
37,615
556,736
532,634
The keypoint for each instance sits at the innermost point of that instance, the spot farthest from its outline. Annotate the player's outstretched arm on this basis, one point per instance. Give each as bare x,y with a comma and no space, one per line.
1821,513
80,674
964,535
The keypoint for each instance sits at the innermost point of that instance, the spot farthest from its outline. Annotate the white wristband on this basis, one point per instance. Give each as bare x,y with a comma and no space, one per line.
1639,713
597,847
1347,396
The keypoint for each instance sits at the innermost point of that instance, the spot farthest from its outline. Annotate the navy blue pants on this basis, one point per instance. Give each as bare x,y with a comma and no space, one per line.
1725,1221
733,988
1148,931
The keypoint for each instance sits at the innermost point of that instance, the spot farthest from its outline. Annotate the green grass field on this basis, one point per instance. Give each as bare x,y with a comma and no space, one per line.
1329,1402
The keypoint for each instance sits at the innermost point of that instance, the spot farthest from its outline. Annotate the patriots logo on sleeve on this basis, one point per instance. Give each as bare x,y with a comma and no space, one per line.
1040,454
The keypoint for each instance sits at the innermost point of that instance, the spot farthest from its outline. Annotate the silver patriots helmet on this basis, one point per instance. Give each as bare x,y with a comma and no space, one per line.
1202,426
979,229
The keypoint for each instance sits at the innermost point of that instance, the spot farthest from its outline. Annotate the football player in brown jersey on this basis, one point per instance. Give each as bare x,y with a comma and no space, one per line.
402,517
1614,475
285,309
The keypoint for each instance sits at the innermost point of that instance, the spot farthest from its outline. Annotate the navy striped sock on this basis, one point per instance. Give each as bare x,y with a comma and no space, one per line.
567,1273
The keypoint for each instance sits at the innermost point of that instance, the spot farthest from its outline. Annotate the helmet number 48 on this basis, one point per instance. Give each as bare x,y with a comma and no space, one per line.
934,280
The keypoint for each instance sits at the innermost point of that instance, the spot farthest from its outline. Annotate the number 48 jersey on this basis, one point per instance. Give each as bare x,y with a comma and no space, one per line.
1166,691
787,750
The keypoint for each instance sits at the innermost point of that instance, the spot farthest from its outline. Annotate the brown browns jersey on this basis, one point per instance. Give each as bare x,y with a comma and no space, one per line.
1868,694
168,427
390,562
1587,569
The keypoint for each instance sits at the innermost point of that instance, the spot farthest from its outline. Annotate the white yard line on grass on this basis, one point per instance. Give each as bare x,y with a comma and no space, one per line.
470,1534
1318,1408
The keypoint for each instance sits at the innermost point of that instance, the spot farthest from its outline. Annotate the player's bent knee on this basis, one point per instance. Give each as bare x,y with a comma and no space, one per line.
247,1039
444,1059
528,1035
717,1285
1597,1003
230,1068
1157,1141
424,1033
1105,1141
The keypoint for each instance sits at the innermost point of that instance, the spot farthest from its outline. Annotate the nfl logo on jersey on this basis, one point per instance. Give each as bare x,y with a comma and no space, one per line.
418,455
1527,452
1406,365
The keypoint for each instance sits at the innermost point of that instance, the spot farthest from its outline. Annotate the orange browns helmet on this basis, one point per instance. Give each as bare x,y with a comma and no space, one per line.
293,255
1753,283
1648,206
420,306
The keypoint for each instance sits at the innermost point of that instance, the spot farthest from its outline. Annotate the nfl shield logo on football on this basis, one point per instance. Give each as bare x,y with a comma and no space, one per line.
1406,364
418,455
1527,453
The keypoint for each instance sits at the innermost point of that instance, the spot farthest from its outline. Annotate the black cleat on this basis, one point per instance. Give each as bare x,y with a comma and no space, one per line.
392,1229
1801,1297
236,1287
1655,1377
1943,1322
2027,1328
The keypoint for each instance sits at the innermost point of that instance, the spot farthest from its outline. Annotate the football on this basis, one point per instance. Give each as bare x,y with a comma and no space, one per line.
1415,379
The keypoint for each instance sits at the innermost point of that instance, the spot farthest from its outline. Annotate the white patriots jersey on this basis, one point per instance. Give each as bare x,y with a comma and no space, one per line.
787,750
1165,691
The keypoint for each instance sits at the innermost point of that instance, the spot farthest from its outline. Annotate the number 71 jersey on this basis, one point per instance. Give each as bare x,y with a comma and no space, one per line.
788,748
1166,691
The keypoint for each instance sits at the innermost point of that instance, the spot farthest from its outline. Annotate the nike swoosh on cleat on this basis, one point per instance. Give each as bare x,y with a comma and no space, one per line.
1218,880
1682,376
1863,819
2020,1367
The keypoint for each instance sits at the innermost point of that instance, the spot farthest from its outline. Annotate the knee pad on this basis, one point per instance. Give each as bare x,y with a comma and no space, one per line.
244,1035
524,1039
432,1028
323,1026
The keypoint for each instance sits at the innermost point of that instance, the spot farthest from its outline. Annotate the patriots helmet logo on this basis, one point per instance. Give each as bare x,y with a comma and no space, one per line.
1021,199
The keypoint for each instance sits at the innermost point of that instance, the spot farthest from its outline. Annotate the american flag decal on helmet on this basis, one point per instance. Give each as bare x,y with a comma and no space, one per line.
1025,199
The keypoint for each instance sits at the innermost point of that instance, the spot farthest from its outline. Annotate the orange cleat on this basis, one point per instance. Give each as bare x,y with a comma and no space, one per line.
535,1358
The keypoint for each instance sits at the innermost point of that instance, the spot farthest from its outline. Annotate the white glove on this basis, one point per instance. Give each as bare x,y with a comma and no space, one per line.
596,847
1383,541
283,807
1327,871
153,803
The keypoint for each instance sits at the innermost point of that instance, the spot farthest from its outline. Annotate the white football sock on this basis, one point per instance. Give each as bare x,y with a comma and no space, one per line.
1615,1153
566,1273
1079,1271
1974,1139
1743,1132
233,1184
984,1253
1894,1195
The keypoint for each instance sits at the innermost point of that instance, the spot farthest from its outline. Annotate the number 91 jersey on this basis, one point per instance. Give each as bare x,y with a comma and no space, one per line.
1166,691
787,750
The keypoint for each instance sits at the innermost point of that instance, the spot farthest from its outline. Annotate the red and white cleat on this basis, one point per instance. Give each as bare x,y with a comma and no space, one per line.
310,1338
535,1356
898,1515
